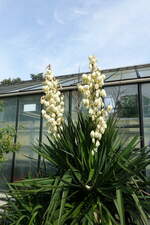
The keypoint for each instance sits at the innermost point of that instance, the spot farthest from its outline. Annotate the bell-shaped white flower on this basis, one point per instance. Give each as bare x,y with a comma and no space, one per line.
103,93
92,134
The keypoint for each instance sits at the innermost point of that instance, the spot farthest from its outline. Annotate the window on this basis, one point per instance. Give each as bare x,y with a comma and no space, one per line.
125,99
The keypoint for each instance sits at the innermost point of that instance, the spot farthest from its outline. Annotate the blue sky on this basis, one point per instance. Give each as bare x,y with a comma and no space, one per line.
34,33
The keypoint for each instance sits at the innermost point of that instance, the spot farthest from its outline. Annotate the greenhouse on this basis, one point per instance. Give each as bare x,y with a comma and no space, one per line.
127,91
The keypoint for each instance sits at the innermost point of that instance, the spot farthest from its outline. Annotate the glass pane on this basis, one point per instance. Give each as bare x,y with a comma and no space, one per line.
75,104
144,72
28,134
124,100
120,75
66,102
146,112
70,80
7,105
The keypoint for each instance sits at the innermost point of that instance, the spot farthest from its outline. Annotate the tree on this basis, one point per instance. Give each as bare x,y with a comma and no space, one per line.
6,81
16,80
10,81
36,77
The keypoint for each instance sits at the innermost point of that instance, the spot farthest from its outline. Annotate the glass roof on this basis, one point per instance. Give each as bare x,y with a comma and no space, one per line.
126,73
121,75
144,72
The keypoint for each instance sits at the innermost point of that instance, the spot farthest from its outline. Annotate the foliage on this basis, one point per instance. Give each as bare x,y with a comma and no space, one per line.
38,76
106,188
7,141
10,81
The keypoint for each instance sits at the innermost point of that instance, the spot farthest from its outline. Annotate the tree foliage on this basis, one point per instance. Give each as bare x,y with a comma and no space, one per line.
17,80
36,77
10,81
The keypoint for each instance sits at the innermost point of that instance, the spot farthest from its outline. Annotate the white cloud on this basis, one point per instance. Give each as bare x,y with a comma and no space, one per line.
40,22
57,18
80,12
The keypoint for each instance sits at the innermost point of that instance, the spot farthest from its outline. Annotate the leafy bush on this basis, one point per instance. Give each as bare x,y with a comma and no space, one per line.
7,141
107,188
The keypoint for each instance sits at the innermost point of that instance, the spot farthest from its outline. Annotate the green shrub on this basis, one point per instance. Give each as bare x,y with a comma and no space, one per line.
7,141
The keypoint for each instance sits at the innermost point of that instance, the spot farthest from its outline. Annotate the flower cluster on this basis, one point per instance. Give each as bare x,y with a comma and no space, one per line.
53,101
93,93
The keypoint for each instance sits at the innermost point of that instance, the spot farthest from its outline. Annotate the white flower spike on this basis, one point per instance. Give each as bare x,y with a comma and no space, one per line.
93,93
53,103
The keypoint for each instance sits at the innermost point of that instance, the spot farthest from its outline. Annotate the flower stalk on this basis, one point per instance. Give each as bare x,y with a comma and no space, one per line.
53,102
93,95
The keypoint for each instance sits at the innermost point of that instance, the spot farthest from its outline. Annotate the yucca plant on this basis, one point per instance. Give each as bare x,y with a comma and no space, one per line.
109,187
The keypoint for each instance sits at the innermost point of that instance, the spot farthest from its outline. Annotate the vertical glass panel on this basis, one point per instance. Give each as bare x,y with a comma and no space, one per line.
124,100
28,135
8,105
7,118
146,112
66,102
75,104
